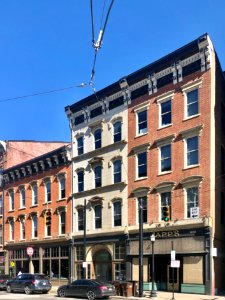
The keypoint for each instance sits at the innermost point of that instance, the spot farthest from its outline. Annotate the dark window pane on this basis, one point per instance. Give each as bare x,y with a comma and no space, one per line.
98,176
117,132
98,138
142,122
192,103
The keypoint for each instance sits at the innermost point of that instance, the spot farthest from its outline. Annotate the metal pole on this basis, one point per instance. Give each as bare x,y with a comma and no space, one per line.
153,292
140,247
173,277
85,242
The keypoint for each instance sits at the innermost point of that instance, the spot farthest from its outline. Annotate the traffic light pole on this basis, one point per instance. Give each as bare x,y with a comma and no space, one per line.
140,204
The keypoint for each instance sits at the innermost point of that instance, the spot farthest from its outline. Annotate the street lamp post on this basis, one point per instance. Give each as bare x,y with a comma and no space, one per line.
153,292
140,203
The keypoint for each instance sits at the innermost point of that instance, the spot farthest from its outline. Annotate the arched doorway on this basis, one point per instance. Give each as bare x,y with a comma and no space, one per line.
103,265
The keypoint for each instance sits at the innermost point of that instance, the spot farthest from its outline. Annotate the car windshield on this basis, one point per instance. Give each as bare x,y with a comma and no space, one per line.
41,276
101,282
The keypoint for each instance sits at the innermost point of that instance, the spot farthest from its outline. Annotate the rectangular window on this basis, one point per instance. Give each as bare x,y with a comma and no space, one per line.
166,202
62,187
192,151
79,253
63,222
119,251
120,271
98,138
166,113
11,200
11,231
142,122
80,179
142,164
143,201
117,214
98,176
165,158
22,197
98,216
34,195
80,145
34,226
117,132
22,230
192,199
48,191
192,103
117,171
80,213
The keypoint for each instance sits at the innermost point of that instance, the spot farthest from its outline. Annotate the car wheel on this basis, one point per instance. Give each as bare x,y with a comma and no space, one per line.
27,290
91,295
9,289
61,293
45,292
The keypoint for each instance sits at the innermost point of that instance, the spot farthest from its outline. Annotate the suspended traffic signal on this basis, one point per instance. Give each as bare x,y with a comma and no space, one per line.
48,217
166,213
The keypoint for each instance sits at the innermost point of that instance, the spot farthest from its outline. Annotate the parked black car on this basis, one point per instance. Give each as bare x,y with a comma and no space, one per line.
3,281
88,288
29,283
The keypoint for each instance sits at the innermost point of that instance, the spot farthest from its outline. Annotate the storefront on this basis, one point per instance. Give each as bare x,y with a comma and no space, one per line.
52,260
192,248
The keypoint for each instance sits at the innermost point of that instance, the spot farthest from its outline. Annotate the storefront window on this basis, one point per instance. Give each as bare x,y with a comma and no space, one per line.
120,271
119,251
79,253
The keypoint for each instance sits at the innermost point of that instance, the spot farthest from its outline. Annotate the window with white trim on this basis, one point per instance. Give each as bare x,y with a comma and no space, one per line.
98,138
34,226
62,186
80,181
62,222
80,219
11,230
117,213
192,108
22,197
141,164
165,112
166,202
98,216
11,200
48,190
117,131
34,194
192,199
117,171
165,159
142,124
22,229
80,145
192,151
98,176
142,201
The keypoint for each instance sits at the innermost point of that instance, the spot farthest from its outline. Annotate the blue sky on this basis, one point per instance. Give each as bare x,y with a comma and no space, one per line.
46,45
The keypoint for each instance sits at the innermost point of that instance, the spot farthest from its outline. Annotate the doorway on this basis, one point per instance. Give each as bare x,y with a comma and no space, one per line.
102,261
172,278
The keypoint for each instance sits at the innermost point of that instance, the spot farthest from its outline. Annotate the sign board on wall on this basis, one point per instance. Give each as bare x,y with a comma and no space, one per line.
175,264
194,212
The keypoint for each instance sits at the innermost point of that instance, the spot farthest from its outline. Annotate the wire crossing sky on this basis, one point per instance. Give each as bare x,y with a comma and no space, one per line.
48,49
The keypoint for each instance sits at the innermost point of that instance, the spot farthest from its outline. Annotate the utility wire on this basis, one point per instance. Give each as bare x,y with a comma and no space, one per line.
46,92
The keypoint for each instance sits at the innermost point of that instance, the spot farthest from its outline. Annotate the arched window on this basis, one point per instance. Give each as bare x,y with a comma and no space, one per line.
80,181
98,176
98,216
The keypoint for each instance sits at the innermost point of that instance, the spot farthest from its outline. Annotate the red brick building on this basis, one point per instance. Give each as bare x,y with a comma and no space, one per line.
176,164
36,212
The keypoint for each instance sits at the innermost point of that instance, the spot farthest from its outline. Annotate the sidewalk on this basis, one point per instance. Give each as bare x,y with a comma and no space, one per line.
168,296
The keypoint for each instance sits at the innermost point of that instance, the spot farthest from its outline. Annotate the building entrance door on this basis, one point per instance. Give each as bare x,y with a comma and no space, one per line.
103,265
172,277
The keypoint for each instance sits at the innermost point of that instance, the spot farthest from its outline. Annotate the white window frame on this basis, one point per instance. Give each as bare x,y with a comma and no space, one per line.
34,217
22,229
11,230
189,87
62,177
46,182
34,194
22,197
140,108
11,200
162,99
190,133
60,222
160,159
